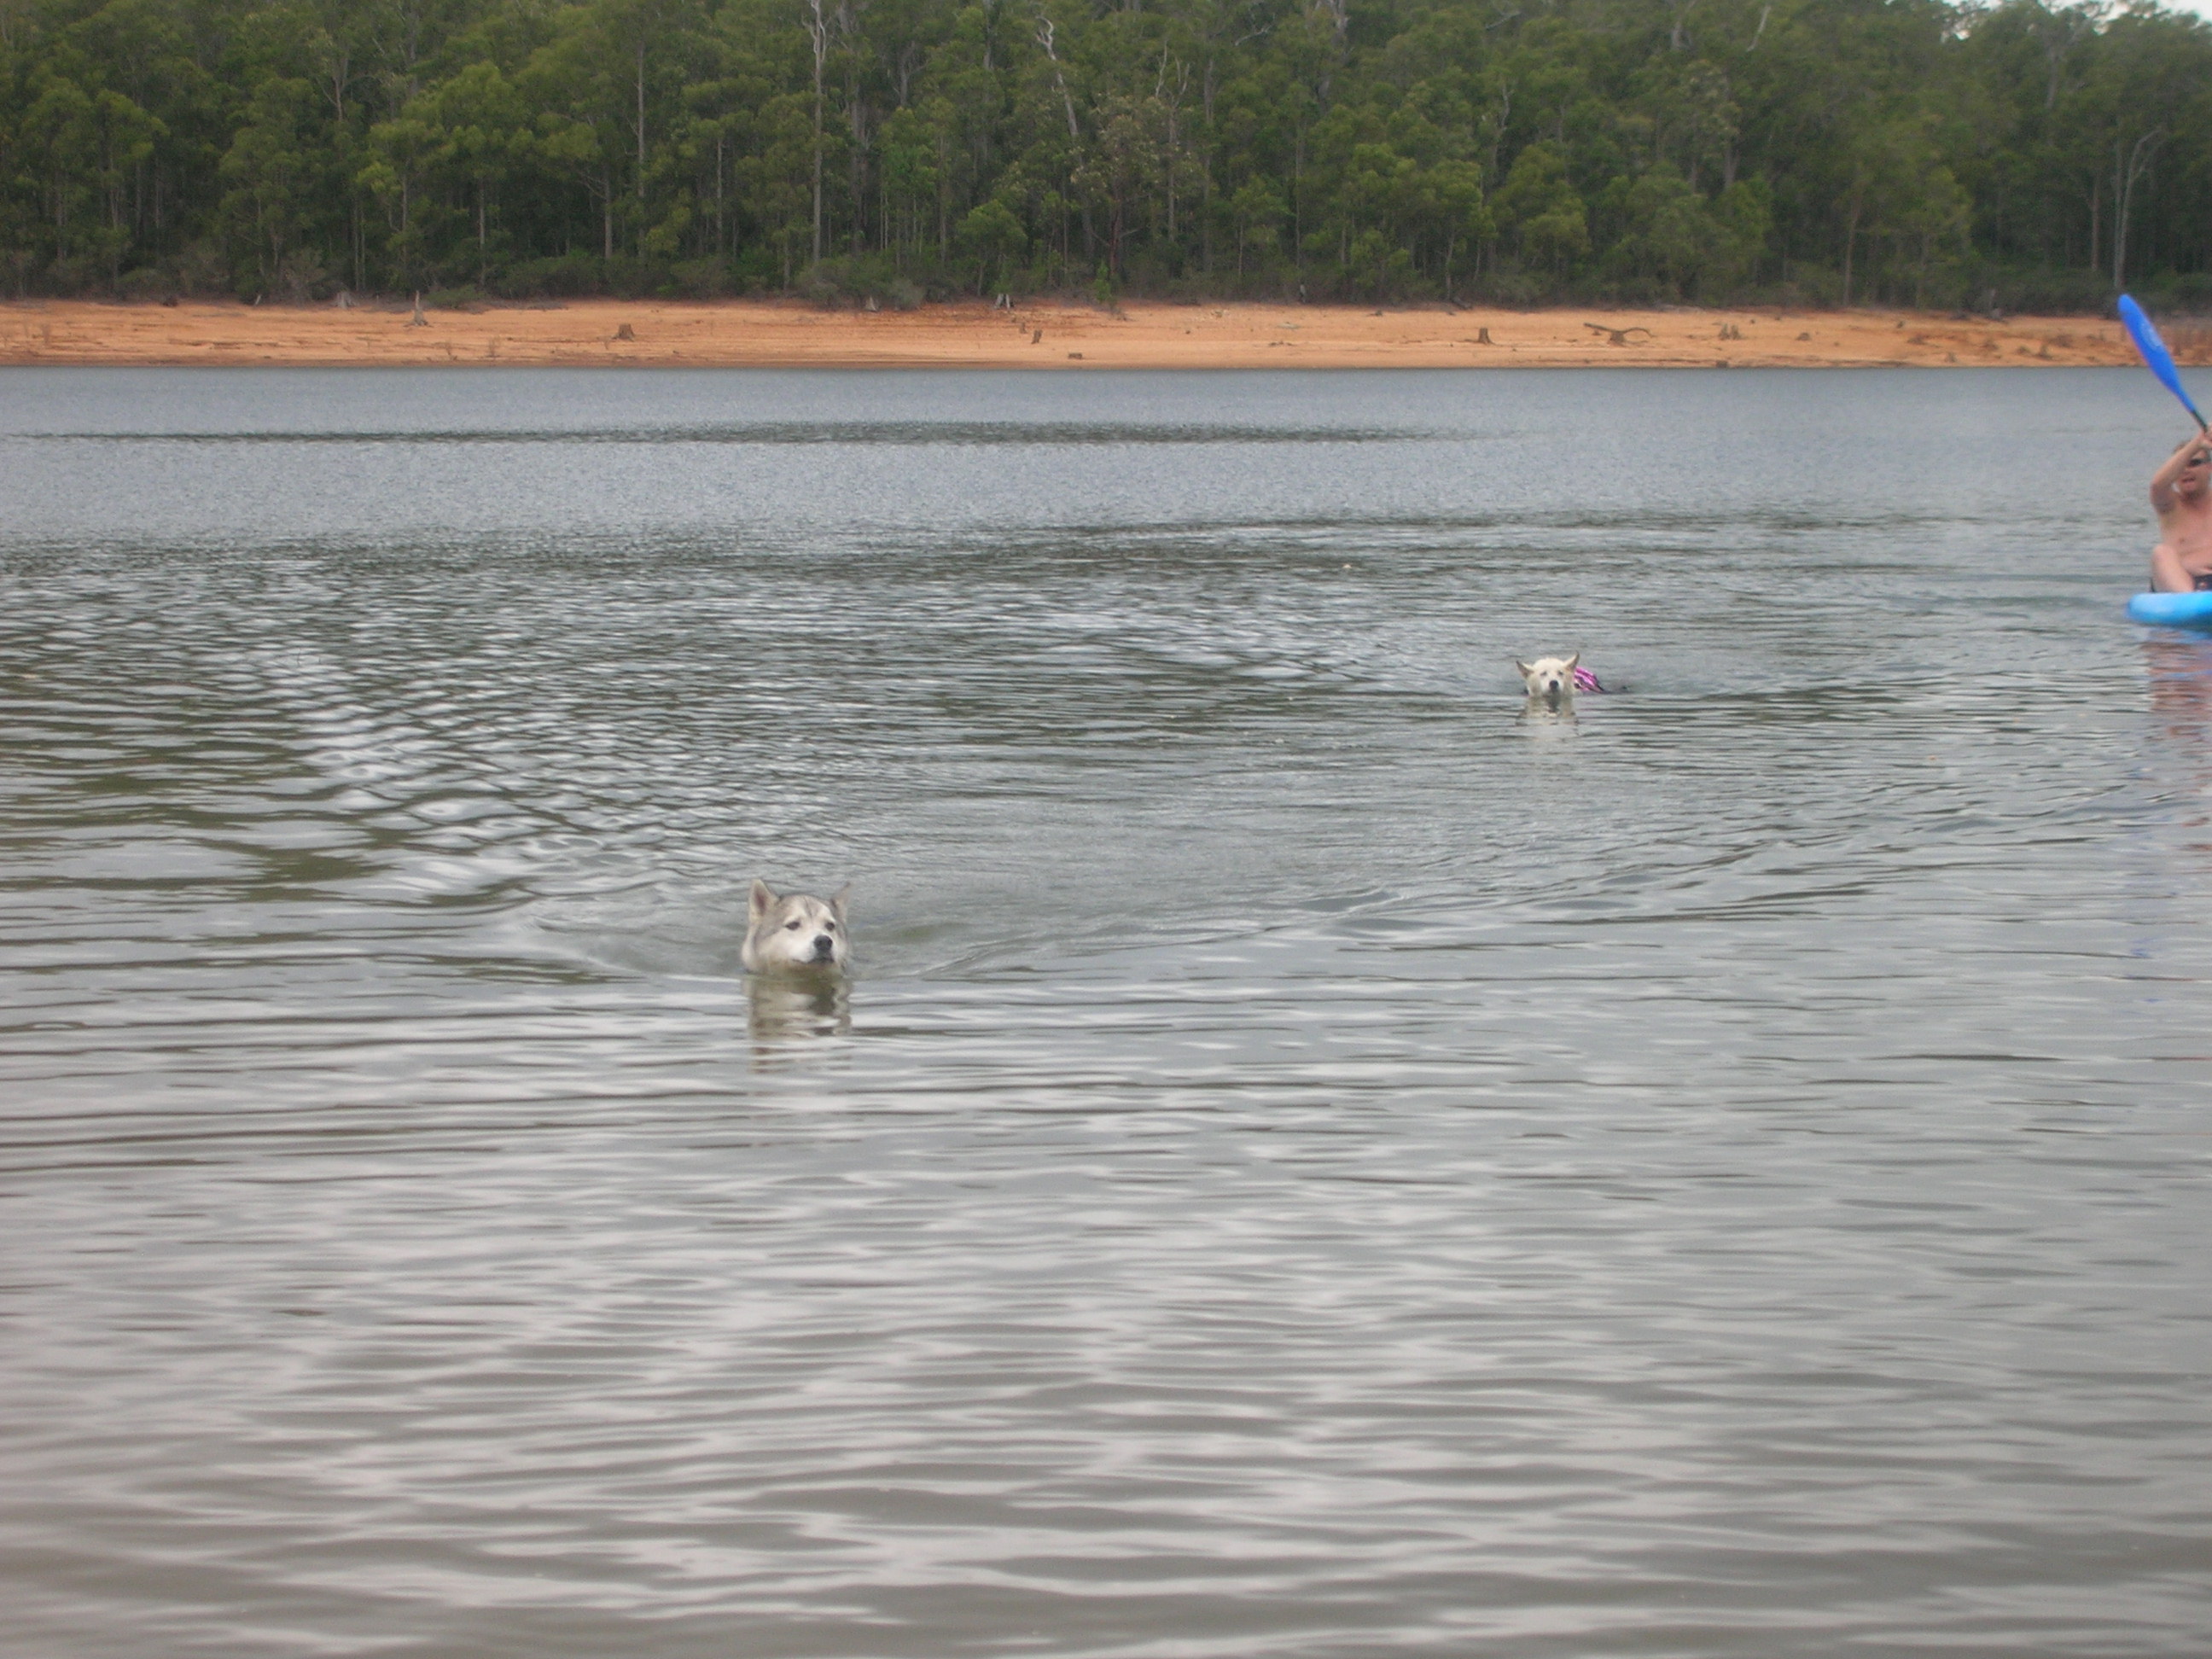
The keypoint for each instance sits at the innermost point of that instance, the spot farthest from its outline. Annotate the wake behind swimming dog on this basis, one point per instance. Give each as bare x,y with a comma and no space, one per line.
796,933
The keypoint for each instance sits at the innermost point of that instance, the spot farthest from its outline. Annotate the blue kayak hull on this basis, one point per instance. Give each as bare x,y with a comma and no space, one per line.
2172,609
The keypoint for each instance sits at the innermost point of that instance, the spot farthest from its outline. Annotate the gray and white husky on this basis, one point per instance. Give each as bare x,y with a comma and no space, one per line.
796,933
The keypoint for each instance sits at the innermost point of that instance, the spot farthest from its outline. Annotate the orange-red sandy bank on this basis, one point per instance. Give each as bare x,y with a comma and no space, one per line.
1044,334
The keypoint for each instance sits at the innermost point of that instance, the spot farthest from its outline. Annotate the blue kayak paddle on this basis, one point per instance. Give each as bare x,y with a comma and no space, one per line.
2156,356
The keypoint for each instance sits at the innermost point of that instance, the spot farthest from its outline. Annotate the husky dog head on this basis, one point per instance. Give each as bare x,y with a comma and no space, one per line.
1550,680
796,932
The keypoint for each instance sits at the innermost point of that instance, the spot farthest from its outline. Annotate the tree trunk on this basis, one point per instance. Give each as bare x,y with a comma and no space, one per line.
856,121
1074,130
1851,242
817,28
2124,179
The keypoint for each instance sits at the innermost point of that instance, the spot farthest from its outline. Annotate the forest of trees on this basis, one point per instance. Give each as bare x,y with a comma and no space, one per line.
1518,151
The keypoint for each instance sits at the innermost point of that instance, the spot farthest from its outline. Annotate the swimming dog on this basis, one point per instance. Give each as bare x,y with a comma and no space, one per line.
795,933
1551,681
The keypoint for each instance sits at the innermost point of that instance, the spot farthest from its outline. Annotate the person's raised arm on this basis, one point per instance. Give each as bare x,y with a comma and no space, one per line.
2162,482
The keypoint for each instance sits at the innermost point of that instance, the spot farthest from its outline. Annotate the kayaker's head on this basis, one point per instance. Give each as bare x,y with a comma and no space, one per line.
2197,470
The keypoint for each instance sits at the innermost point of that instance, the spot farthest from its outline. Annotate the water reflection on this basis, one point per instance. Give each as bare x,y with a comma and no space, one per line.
788,1008
2178,666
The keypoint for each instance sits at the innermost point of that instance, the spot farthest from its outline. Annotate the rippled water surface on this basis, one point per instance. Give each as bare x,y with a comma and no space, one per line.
1312,1162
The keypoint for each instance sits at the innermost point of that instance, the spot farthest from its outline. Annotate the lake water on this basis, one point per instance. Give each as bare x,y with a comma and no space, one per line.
1312,1162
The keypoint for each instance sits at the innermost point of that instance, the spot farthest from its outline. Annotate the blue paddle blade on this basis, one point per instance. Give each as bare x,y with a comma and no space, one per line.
2155,354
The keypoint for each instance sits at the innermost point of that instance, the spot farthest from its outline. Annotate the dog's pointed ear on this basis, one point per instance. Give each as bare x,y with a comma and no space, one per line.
1572,660
763,899
1523,667
837,901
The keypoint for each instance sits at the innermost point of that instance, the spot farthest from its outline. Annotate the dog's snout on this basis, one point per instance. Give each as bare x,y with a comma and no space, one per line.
825,948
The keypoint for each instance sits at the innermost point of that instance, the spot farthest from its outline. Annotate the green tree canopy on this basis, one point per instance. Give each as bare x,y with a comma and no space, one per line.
1922,151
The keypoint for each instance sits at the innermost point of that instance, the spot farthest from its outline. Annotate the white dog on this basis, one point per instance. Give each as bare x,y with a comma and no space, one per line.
797,933
1550,680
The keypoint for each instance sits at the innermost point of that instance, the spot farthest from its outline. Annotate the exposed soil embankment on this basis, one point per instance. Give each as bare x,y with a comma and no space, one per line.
1046,335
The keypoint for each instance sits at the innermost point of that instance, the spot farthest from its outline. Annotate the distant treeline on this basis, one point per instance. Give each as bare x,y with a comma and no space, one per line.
1825,151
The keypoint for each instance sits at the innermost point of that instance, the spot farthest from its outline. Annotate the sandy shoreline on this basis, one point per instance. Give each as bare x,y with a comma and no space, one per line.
1044,334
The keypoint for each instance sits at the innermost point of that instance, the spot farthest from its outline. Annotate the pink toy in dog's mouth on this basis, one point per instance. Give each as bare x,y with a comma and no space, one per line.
1586,681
